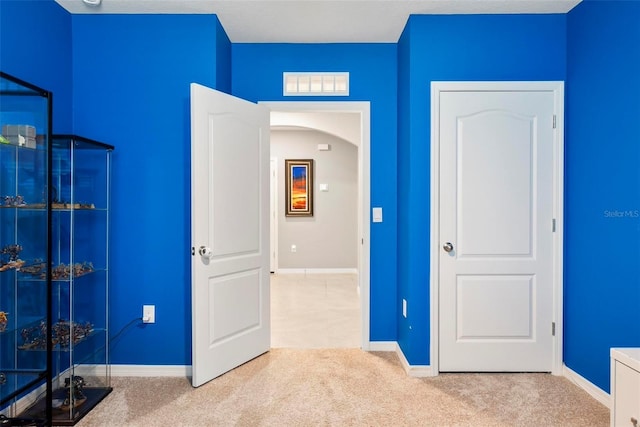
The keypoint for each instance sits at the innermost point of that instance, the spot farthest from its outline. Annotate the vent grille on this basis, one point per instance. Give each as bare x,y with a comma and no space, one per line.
315,84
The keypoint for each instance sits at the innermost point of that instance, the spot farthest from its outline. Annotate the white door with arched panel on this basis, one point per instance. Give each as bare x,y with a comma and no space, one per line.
496,229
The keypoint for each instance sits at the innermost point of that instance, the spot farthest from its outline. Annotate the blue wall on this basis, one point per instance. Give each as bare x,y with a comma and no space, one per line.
602,205
223,60
124,79
454,47
131,89
405,260
257,76
35,46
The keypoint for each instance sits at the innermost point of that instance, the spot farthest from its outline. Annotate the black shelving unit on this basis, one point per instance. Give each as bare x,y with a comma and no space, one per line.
54,264
25,239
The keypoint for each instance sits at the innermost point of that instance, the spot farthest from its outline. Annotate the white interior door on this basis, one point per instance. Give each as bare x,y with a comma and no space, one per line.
229,232
496,234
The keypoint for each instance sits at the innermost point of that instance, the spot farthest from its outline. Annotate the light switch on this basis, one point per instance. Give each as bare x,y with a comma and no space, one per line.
324,187
377,214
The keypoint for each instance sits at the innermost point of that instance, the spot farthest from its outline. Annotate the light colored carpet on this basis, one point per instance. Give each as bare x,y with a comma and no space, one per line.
346,387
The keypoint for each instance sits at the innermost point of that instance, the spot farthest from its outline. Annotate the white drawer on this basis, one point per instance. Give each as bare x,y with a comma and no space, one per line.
625,390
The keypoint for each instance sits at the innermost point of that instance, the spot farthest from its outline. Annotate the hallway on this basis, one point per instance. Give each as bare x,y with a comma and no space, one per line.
315,311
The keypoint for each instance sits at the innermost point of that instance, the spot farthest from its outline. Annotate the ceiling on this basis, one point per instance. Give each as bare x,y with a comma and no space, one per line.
317,21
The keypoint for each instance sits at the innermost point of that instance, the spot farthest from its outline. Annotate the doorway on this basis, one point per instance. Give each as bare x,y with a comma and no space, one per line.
496,254
363,164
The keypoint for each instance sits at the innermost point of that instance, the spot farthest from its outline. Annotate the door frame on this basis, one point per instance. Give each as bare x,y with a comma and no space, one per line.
557,87
364,188
273,214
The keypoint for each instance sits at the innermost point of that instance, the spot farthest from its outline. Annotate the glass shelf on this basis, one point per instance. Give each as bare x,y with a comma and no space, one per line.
25,322
95,334
24,277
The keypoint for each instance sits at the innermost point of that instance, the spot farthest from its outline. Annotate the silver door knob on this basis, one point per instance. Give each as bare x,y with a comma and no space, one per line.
448,247
205,251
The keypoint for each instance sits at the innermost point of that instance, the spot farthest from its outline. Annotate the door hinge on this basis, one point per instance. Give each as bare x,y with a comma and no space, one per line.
553,329
553,225
362,241
554,121
193,250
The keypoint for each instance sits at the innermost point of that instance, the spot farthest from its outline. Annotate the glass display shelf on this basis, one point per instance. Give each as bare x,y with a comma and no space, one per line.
25,135
54,263
79,277
91,385
21,371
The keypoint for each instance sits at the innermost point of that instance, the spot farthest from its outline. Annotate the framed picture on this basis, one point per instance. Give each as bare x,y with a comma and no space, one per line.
299,187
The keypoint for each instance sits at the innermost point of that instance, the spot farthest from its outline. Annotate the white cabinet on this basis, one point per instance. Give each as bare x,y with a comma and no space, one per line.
625,387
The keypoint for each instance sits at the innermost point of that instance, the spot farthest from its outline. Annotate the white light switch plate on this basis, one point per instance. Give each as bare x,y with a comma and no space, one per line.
377,214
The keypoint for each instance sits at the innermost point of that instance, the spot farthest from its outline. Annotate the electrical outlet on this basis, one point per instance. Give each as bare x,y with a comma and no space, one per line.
148,314
404,308
294,248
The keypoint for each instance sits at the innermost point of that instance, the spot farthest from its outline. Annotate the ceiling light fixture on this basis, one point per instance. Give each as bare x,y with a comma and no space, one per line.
92,2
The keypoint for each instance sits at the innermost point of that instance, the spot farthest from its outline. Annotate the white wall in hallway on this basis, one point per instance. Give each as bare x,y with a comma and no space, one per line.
328,239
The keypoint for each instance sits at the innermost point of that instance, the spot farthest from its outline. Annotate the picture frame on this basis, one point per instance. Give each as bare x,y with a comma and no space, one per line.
298,187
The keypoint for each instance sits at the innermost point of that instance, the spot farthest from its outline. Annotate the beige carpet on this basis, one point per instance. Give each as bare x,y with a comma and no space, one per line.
346,387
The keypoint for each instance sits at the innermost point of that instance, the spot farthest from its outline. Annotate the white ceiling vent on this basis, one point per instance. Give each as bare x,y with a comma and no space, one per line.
315,84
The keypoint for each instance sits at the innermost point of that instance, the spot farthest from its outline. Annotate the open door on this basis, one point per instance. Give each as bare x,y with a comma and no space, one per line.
229,232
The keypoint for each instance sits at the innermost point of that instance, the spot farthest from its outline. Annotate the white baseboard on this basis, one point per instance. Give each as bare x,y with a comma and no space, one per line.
382,346
593,390
417,371
131,370
26,401
20,405
92,370
150,370
317,271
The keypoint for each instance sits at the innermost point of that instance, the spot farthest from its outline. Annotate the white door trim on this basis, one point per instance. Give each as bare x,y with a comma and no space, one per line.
558,205
273,213
364,195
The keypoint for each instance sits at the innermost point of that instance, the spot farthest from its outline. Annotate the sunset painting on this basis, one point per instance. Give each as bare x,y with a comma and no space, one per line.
299,187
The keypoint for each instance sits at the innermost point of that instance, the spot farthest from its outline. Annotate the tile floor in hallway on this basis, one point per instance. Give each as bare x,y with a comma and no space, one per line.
315,311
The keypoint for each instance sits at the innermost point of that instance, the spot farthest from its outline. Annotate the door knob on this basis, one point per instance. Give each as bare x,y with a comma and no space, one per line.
205,251
448,247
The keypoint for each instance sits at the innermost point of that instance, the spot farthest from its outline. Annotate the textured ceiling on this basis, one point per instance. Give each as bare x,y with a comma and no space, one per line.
318,21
